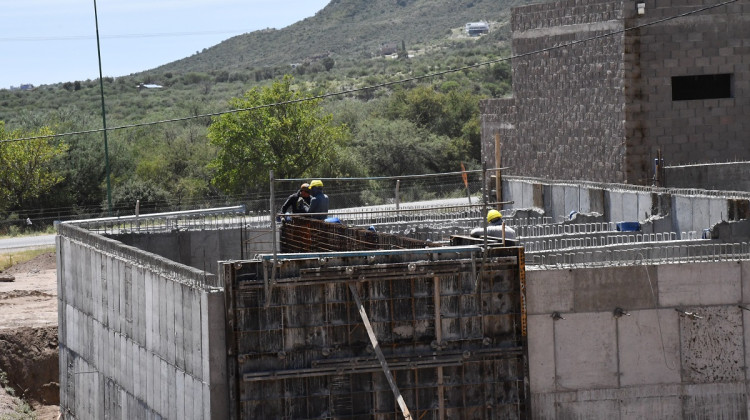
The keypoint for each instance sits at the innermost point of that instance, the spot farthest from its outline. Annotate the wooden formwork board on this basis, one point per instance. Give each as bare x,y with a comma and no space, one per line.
450,332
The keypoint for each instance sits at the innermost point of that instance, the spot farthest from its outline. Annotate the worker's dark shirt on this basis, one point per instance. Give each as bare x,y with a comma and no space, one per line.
296,203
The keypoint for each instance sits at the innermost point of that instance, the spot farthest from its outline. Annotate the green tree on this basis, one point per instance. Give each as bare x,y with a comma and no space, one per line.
400,147
24,165
292,138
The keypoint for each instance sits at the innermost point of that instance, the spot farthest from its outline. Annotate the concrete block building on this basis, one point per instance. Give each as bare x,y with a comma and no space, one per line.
600,88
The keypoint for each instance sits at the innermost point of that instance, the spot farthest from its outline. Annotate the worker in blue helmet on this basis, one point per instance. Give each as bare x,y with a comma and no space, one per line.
318,200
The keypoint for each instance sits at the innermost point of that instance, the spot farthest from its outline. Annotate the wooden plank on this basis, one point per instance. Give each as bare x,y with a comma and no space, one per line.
379,353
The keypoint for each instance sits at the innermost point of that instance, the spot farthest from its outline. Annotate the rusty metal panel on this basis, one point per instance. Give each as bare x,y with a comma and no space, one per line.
449,327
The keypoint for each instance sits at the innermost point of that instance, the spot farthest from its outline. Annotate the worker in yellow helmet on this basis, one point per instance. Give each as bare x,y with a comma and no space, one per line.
495,227
319,201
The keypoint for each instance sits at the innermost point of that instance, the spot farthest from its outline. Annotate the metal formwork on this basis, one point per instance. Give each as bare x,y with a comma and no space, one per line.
447,322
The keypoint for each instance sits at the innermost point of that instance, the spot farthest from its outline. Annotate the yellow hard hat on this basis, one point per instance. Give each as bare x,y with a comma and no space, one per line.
492,215
316,183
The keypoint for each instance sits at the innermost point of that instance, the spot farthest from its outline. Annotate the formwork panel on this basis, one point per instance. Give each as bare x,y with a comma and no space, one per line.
449,331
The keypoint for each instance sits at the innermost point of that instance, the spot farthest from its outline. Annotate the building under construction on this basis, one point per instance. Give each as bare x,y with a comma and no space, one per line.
199,315
625,295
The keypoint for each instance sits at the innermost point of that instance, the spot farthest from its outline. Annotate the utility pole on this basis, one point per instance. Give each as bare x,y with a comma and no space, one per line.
104,115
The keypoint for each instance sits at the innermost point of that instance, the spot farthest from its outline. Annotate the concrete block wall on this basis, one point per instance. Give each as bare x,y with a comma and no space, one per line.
733,176
140,336
600,110
654,362
569,102
685,210
714,41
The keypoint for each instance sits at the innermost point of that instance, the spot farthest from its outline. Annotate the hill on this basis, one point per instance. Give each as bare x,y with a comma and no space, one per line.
348,44
349,28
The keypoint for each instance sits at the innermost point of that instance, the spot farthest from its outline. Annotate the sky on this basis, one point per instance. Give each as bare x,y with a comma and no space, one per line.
53,41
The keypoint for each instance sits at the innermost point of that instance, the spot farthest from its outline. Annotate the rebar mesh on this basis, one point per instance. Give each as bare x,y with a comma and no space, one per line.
310,235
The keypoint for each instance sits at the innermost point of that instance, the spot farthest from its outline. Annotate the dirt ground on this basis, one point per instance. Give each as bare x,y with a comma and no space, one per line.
28,338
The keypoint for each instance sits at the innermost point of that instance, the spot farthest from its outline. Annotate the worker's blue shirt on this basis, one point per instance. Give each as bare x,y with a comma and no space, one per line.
319,204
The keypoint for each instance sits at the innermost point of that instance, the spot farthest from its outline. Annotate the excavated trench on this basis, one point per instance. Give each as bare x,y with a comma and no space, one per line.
29,359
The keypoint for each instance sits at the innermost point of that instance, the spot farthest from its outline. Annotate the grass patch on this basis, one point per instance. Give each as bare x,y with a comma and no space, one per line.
15,232
10,258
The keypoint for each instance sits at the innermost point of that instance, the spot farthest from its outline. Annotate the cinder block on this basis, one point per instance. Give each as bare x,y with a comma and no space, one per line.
649,348
699,284
586,351
541,345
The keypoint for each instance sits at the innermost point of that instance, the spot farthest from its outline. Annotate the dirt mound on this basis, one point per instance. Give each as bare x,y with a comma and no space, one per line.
13,294
29,357
46,261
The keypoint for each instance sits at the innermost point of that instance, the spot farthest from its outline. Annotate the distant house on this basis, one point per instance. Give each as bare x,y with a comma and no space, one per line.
27,86
477,28
148,86
388,48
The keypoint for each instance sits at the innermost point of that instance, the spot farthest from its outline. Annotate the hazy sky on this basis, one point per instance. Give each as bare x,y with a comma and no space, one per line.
51,41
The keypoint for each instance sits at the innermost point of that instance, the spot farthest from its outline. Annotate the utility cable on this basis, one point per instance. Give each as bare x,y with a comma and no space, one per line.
128,36
380,85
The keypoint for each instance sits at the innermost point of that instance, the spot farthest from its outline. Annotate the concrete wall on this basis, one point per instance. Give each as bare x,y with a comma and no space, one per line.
202,249
654,362
683,210
140,336
734,176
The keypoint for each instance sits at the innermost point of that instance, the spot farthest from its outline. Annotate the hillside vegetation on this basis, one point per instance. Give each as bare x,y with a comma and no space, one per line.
166,166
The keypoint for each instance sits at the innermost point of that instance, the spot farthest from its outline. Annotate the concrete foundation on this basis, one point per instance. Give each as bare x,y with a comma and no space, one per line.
652,360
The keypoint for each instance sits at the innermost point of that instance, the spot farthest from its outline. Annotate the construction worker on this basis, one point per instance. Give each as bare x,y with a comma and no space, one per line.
319,201
495,227
298,202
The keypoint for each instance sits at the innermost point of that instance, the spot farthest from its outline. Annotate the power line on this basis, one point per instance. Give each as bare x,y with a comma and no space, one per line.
380,85
120,36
